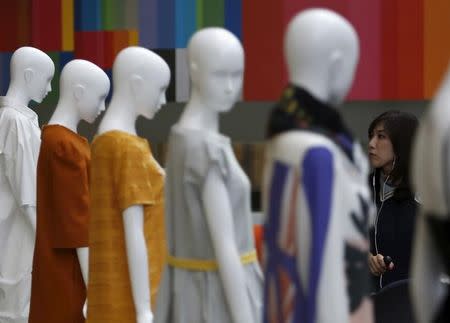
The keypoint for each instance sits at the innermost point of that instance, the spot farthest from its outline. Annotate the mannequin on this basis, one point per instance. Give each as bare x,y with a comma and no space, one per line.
212,273
315,193
124,171
60,262
31,74
430,262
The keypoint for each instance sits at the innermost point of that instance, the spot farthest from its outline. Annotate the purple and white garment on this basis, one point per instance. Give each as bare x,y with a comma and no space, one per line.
318,208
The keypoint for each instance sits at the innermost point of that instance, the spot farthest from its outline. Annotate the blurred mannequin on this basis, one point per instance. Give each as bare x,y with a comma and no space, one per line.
212,273
127,196
60,264
315,191
430,269
31,74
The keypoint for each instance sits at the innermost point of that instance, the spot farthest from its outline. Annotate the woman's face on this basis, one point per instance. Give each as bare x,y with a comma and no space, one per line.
381,152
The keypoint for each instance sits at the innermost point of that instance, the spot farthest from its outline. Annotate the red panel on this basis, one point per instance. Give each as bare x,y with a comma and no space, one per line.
90,45
109,48
410,49
24,19
115,41
8,25
389,74
262,38
365,15
46,26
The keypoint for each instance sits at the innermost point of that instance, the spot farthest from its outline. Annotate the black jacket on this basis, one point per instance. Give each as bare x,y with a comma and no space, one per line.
392,233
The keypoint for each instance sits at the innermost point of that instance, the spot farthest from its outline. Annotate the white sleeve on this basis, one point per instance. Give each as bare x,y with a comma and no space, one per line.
20,164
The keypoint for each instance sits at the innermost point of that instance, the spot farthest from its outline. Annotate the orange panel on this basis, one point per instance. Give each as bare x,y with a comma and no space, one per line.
410,49
436,43
67,16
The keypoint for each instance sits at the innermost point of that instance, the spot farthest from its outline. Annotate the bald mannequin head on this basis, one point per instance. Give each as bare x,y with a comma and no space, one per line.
142,76
322,51
216,66
31,73
86,85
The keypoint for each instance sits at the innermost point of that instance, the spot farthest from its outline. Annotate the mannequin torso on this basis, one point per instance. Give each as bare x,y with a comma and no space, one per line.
140,79
61,253
31,73
430,162
315,193
203,177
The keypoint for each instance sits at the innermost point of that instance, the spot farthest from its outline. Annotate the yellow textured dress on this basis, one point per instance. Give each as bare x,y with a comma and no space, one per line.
123,173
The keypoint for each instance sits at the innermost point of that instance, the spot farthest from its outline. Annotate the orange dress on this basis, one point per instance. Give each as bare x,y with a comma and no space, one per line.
123,173
58,291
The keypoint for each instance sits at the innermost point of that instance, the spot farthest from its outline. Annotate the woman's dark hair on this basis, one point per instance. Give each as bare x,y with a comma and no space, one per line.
400,127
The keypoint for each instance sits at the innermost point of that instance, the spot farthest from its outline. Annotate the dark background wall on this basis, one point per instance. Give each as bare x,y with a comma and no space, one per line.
247,121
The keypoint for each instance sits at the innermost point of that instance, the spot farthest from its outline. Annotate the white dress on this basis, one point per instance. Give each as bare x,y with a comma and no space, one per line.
19,150
318,208
189,296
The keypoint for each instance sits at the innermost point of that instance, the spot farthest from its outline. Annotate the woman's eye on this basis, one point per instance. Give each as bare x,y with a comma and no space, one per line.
381,136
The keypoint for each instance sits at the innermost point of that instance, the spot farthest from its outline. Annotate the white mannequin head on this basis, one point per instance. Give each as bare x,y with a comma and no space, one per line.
141,76
322,51
216,66
31,75
84,87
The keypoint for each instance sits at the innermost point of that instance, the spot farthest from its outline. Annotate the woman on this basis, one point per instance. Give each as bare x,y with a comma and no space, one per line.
390,139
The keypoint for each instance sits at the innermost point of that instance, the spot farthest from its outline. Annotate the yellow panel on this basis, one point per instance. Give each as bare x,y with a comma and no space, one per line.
133,37
67,15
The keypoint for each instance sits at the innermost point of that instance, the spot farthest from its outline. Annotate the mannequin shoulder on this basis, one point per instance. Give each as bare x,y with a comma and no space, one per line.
292,146
197,141
9,117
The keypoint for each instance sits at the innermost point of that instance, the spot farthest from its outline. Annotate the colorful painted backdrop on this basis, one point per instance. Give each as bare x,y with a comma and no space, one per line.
404,43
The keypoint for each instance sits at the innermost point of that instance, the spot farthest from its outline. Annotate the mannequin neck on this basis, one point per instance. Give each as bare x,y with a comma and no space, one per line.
66,115
18,94
315,86
120,115
199,116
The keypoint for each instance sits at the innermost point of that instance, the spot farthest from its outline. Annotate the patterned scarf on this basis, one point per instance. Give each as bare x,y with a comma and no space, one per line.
297,109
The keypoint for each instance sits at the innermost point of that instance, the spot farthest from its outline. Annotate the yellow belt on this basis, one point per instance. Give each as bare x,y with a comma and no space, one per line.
207,264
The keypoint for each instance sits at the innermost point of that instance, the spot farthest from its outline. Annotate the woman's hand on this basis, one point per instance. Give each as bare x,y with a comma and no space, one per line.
377,265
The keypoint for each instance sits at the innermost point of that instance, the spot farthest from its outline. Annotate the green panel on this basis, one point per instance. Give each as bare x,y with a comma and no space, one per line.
199,13
113,17
213,13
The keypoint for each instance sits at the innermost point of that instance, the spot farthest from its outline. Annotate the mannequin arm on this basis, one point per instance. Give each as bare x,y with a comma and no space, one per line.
30,213
133,222
219,218
83,259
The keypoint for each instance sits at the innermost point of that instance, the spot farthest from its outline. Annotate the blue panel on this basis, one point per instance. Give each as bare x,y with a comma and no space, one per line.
317,170
185,20
148,23
108,97
64,58
233,17
5,58
166,25
88,15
